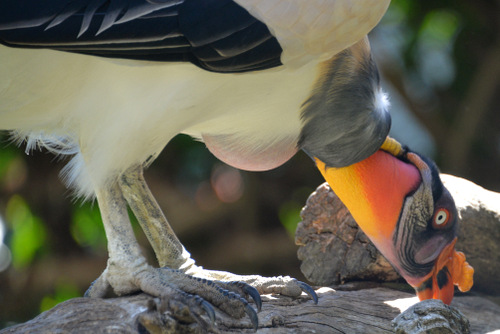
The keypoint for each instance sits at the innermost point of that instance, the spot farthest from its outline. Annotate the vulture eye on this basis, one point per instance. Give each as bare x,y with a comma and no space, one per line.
441,219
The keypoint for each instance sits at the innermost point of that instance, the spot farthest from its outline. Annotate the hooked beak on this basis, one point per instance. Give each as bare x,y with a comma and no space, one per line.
399,202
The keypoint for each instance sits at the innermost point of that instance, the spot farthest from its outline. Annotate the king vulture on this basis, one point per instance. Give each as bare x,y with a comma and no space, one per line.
111,82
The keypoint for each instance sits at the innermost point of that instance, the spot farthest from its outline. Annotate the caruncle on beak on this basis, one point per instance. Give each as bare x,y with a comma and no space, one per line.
398,200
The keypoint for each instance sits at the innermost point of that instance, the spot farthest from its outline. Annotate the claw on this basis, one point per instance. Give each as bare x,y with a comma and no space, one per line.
253,316
98,288
88,292
209,310
249,310
251,291
310,291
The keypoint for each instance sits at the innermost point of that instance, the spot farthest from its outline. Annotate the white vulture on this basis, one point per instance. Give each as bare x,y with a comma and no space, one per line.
111,82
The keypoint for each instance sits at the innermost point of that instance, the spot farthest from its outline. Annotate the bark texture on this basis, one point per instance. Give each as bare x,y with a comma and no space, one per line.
333,251
358,311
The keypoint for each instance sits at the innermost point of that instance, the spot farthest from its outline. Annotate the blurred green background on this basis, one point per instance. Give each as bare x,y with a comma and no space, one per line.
440,62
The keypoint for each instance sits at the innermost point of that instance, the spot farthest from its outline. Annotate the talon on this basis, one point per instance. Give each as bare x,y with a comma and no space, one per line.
253,316
99,288
310,291
88,291
209,310
252,292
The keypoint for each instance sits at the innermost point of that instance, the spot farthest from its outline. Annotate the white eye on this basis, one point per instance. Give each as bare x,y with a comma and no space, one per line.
441,218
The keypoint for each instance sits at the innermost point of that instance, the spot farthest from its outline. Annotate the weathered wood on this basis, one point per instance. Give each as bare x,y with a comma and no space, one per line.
431,316
332,250
361,311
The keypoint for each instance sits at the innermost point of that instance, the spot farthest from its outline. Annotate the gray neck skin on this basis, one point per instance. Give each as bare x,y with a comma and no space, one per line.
346,118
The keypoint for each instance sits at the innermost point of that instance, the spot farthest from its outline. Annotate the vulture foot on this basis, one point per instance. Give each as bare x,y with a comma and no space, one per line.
282,285
195,295
178,278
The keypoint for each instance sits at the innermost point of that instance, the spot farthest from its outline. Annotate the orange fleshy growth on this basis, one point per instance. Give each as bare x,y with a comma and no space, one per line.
463,273
458,272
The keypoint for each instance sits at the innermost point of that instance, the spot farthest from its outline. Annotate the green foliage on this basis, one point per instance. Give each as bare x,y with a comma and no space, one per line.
6,158
28,232
86,227
440,26
289,212
63,291
289,215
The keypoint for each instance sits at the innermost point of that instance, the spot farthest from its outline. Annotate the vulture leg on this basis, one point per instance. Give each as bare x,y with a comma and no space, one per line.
167,247
170,252
127,270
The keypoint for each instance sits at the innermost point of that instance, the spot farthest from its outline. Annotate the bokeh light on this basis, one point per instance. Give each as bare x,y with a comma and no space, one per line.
227,183
5,254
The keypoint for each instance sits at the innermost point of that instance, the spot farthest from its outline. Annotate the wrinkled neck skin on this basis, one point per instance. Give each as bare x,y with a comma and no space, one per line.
346,117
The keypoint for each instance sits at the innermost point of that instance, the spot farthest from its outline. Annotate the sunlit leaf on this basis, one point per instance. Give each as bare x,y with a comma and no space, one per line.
28,232
86,227
440,26
289,215
6,157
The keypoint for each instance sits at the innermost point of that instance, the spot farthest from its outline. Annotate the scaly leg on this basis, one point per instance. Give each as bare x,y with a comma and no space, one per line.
170,252
167,247
127,270
123,249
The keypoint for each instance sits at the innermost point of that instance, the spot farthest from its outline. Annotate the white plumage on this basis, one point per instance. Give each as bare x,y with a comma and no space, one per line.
256,81
118,113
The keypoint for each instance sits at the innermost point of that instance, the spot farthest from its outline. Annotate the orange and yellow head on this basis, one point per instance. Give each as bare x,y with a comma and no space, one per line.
398,200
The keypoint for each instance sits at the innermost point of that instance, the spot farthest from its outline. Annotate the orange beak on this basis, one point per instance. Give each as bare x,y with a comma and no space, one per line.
373,190
391,195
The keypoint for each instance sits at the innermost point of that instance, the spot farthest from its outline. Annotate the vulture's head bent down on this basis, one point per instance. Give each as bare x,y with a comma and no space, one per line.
111,82
398,200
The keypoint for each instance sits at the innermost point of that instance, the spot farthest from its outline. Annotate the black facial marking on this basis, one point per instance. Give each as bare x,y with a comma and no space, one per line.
437,185
425,285
443,277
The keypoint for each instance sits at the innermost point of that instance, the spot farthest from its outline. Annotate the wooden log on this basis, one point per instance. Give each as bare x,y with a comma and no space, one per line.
333,250
360,311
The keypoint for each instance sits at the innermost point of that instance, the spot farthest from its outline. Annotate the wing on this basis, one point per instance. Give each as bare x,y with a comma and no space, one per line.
216,35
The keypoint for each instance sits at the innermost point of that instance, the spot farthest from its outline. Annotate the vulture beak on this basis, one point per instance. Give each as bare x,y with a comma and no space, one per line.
398,200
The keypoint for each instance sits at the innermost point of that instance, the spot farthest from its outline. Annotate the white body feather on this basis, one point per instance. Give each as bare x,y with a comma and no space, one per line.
119,115
114,114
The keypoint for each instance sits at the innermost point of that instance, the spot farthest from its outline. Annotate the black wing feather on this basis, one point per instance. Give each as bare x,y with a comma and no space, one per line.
217,35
